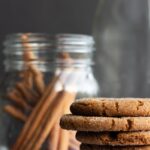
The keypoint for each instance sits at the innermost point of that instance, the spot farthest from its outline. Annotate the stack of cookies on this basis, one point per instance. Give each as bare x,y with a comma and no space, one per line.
110,123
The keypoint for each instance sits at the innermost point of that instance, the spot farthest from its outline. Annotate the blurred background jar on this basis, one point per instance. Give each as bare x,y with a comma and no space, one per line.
121,31
32,60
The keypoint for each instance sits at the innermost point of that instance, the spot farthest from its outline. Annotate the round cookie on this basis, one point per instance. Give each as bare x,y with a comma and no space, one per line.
96,124
114,138
111,107
98,147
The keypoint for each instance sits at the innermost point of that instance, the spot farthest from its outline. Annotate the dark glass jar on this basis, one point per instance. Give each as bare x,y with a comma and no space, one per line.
39,70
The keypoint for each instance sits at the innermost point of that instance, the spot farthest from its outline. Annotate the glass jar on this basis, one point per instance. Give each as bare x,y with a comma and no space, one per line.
43,75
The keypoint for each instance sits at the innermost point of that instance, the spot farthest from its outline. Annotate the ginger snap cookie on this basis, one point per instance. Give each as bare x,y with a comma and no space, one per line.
99,147
114,138
111,107
96,124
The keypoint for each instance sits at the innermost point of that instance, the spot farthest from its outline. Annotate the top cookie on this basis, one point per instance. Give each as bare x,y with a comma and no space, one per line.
112,107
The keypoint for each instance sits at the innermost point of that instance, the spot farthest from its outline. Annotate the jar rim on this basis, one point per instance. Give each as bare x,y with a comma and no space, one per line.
77,39
15,38
28,34
60,39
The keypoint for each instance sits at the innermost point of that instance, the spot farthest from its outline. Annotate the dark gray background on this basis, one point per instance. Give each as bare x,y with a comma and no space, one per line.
52,16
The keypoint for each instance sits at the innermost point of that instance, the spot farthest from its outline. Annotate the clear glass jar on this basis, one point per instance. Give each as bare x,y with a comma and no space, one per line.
36,65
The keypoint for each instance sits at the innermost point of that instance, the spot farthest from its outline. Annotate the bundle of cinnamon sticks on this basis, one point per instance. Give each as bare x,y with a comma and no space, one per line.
40,107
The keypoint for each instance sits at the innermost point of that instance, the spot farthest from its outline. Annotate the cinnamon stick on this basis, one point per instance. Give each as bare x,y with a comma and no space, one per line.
73,141
58,142
41,115
16,113
38,79
28,57
28,79
40,85
54,137
64,135
73,146
25,92
64,55
58,103
33,94
15,97
39,110
26,87
28,52
64,140
37,132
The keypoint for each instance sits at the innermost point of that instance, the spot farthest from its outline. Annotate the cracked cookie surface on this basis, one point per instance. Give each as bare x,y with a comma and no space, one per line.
111,107
96,124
